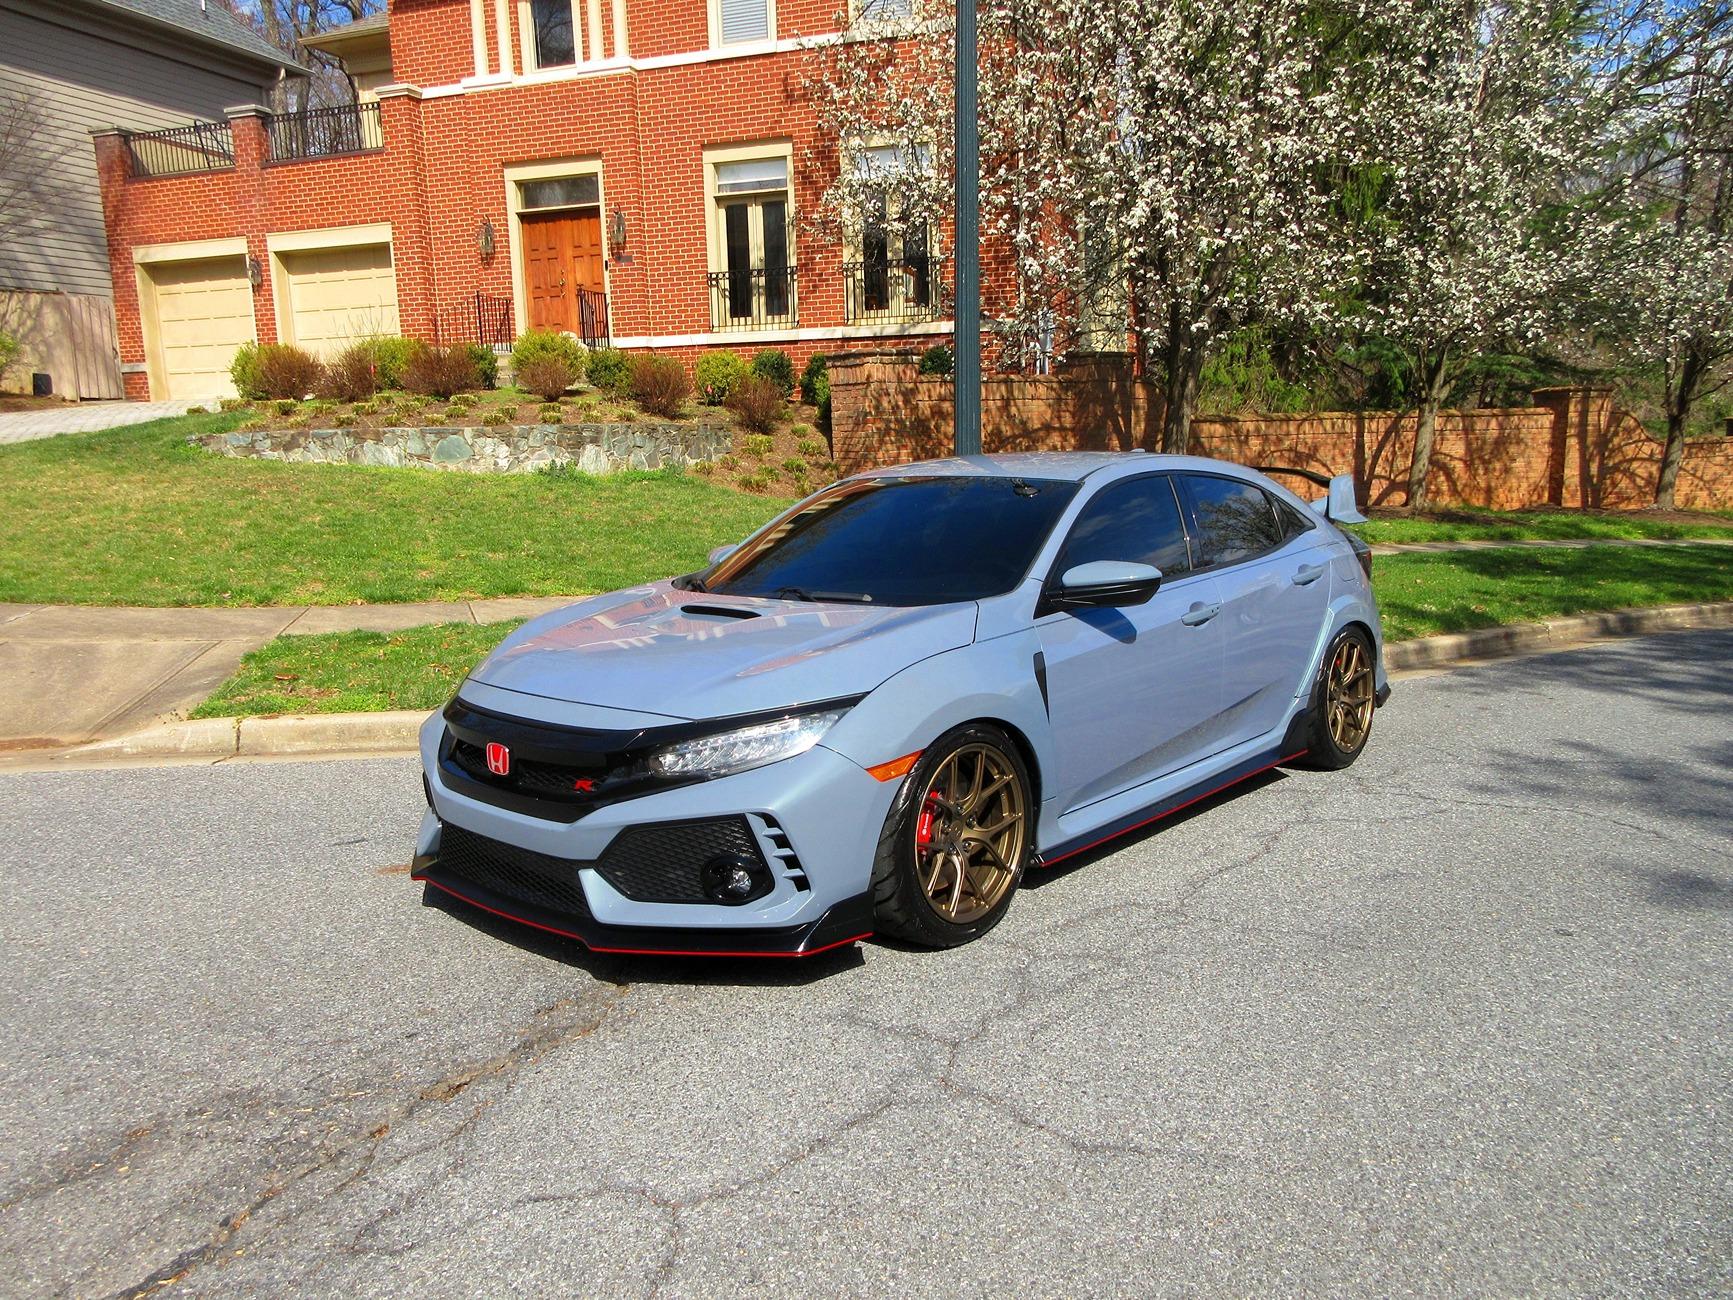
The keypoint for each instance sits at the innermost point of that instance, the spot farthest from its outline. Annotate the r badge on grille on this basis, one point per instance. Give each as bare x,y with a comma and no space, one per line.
498,758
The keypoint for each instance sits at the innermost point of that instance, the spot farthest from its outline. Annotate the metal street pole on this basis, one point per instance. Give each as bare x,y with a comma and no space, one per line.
967,338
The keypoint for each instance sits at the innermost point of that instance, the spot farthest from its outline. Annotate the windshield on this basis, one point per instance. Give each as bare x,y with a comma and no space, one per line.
899,541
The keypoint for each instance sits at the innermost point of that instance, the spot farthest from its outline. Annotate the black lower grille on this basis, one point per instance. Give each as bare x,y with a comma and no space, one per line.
512,872
662,864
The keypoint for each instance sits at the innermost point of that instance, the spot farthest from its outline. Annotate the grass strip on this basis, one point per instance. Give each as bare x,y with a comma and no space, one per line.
1420,595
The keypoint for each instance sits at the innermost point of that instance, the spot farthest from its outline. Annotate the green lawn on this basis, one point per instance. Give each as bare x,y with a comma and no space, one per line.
138,517
1419,594
1470,525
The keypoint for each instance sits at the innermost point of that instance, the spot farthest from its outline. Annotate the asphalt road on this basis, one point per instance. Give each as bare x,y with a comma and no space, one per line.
1455,1022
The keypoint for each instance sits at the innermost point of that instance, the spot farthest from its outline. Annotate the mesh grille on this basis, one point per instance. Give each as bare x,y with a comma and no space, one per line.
512,872
662,864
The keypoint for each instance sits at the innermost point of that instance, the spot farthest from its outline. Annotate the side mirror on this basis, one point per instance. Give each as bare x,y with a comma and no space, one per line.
1115,583
721,553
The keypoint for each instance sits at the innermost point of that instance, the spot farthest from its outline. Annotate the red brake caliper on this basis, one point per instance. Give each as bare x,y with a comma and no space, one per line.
924,824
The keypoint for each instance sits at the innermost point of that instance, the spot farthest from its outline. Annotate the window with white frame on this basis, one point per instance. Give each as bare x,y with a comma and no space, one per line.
893,273
752,266
883,11
553,36
734,22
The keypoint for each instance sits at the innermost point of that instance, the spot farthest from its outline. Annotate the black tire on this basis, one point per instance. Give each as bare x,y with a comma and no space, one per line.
901,906
1327,748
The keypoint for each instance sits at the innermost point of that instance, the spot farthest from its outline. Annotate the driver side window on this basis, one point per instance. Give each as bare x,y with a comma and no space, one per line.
1136,520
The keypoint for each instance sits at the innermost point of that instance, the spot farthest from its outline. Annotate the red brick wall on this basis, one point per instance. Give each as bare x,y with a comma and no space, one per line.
1571,449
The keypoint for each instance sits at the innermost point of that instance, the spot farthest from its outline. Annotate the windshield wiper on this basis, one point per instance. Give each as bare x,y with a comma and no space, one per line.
835,597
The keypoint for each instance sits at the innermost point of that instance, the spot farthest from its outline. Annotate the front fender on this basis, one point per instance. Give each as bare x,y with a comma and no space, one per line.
988,679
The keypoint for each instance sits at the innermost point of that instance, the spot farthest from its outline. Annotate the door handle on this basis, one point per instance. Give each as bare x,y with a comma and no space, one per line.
1308,574
1200,613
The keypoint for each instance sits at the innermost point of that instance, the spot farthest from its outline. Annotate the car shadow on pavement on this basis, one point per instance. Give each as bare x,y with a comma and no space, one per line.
1039,876
615,968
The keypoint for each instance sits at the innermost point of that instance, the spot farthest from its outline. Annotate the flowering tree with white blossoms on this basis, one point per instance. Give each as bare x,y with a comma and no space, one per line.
1154,166
1664,254
1483,114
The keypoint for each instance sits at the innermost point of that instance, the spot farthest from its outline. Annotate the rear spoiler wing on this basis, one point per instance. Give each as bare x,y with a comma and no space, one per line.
1337,504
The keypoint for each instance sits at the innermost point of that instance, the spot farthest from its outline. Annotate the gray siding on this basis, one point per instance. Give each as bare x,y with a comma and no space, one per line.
53,238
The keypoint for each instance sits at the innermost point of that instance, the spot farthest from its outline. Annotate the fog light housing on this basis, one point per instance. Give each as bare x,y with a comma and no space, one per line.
734,878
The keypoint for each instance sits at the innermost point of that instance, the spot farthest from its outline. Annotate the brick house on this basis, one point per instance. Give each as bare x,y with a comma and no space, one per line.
68,67
638,171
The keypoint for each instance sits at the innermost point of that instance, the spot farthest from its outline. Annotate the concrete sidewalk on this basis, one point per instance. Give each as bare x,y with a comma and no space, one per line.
77,673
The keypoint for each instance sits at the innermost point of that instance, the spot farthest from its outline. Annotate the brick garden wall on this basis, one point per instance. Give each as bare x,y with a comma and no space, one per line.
1572,448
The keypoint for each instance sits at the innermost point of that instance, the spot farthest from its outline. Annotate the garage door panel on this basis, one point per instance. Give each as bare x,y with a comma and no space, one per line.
204,311
339,295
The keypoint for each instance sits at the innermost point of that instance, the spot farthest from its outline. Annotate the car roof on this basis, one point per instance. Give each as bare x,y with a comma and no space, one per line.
1066,466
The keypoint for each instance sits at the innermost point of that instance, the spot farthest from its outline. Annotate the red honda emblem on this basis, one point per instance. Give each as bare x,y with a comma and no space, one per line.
498,758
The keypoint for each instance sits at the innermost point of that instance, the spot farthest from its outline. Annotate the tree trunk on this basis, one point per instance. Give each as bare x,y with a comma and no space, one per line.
1426,434
1179,391
1681,396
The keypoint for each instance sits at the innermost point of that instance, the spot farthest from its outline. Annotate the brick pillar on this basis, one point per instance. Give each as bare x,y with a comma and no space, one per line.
252,151
873,410
112,169
405,179
1582,425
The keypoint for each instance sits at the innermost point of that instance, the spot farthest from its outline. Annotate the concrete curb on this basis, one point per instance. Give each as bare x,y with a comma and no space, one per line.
1558,633
396,733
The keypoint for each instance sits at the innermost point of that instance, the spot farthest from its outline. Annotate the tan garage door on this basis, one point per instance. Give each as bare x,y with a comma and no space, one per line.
204,311
338,295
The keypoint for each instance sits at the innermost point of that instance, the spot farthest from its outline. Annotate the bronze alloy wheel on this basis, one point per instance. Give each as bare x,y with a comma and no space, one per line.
1348,695
970,833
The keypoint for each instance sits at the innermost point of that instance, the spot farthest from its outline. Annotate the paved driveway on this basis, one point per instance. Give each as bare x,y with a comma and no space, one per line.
1454,1023
84,417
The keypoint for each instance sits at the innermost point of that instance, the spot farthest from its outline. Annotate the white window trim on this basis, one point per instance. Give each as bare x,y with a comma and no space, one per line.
714,8
586,36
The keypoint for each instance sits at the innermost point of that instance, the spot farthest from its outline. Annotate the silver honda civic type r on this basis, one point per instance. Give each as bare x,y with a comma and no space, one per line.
879,711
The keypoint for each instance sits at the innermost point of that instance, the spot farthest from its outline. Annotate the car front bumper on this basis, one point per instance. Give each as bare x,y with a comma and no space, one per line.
618,878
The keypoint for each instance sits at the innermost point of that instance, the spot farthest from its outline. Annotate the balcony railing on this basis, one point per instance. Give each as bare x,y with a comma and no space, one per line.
180,150
755,299
894,290
324,132
493,320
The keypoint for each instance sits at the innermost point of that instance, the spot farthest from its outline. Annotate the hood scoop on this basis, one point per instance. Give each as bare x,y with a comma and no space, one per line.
718,611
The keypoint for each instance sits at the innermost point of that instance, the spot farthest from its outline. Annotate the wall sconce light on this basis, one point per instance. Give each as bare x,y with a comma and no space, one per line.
617,228
255,272
484,239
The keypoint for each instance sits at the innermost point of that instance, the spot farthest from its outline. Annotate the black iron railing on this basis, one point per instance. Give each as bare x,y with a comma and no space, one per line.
493,320
755,298
894,290
180,150
593,318
324,132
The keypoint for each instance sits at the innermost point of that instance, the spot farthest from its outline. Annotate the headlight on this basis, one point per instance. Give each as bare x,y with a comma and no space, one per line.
735,751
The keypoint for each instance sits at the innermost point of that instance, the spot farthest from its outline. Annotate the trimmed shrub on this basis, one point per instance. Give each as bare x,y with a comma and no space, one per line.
231,403
282,370
936,360
391,358
817,369
778,367
547,377
286,406
440,372
244,372
758,404
660,385
486,363
610,370
537,345
350,375
718,372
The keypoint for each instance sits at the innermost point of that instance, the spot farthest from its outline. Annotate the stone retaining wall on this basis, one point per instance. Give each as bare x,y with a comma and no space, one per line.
502,449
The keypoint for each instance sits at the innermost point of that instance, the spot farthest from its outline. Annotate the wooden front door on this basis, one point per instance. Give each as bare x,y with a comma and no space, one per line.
562,255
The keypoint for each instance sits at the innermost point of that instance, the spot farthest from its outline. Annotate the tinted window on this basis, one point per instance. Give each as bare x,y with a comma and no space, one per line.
900,541
1294,522
1137,520
1235,520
